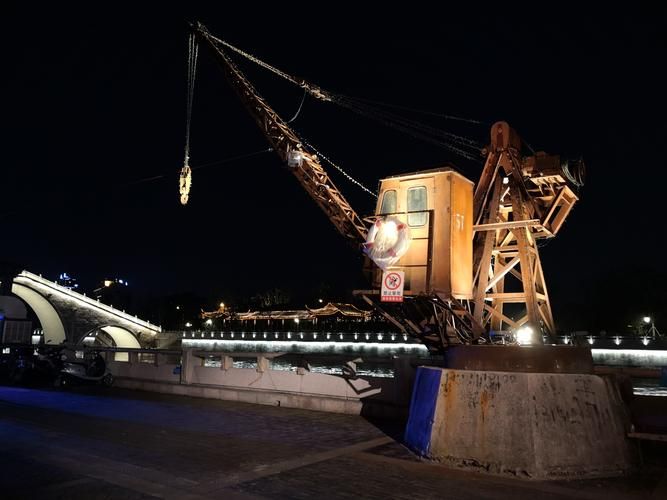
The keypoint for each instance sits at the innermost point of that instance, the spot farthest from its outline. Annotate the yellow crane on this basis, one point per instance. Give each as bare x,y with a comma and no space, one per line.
466,254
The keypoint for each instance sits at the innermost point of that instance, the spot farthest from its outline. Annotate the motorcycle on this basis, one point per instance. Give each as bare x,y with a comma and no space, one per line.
91,369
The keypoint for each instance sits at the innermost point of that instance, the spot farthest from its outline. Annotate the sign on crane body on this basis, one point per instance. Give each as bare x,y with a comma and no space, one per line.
392,286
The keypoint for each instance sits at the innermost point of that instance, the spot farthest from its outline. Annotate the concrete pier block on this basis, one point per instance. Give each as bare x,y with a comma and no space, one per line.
531,425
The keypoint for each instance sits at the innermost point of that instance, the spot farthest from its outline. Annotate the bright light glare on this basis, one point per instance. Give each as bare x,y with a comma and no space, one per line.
390,229
647,319
387,236
524,335
209,322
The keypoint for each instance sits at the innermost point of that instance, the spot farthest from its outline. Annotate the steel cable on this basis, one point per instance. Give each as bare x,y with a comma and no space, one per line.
460,145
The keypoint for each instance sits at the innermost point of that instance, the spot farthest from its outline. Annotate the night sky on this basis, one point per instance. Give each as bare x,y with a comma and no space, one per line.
93,131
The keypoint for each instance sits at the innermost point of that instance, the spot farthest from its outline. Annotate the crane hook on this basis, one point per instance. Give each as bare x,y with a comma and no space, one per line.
184,183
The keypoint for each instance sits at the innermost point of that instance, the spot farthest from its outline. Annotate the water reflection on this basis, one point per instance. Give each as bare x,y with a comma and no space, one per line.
648,387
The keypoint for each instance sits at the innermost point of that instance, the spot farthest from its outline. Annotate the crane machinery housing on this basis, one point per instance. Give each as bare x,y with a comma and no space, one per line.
471,262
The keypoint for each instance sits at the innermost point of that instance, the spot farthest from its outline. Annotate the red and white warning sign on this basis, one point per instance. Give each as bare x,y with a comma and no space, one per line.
392,286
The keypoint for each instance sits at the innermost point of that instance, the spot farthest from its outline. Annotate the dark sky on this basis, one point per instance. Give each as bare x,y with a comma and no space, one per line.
94,102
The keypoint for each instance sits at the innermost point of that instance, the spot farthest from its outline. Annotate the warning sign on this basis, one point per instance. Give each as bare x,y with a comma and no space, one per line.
392,286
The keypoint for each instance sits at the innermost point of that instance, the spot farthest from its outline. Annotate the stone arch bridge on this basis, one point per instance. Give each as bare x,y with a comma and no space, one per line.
68,316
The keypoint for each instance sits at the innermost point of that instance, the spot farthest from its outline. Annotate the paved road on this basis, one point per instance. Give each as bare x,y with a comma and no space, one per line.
120,444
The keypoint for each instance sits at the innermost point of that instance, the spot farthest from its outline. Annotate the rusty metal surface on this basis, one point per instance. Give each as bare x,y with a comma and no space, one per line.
515,191
532,359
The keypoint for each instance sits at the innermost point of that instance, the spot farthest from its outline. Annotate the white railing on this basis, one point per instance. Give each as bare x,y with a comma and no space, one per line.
262,383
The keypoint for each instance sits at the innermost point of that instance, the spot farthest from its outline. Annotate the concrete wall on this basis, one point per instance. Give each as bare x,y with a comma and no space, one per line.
145,371
533,425
288,381
295,389
256,396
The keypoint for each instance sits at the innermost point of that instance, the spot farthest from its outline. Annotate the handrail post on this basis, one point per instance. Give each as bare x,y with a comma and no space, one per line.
262,364
226,362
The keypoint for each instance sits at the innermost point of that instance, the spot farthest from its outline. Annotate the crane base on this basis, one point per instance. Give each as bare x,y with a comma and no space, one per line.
526,425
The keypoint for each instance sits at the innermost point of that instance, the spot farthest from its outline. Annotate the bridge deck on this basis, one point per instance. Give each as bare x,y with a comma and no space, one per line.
89,443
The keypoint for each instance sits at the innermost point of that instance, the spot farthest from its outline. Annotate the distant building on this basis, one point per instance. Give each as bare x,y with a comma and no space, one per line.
67,281
15,327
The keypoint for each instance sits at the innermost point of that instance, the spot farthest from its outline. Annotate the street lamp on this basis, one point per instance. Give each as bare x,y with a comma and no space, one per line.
178,308
650,330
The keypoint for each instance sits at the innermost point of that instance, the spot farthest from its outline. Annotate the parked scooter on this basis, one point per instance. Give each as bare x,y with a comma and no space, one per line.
18,365
91,369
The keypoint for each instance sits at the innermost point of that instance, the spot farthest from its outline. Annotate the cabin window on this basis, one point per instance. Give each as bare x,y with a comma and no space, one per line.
388,202
417,202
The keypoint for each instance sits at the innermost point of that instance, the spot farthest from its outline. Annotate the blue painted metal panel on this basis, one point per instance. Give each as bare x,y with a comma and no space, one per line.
422,409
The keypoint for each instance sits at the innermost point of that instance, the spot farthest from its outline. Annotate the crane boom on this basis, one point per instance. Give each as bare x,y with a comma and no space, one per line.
303,163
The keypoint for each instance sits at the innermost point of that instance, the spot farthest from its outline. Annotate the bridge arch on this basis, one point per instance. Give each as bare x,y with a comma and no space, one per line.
49,318
122,337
